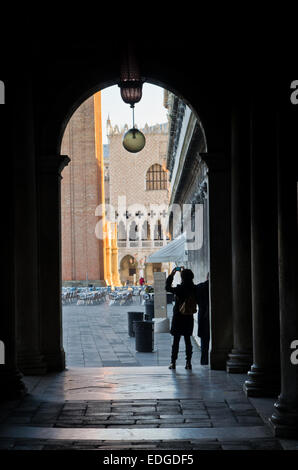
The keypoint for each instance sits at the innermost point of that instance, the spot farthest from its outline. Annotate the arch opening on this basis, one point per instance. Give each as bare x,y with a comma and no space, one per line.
118,258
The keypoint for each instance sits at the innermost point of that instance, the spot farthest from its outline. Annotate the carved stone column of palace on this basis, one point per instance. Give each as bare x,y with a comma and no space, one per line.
114,256
108,254
240,358
50,168
219,211
29,357
264,375
285,417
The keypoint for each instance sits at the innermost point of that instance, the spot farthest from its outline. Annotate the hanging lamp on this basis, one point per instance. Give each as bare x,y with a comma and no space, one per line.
131,85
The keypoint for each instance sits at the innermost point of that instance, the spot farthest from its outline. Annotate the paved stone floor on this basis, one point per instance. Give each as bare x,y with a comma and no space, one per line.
97,336
121,399
138,408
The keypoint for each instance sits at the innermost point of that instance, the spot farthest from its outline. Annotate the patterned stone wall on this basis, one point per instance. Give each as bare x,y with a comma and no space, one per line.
128,178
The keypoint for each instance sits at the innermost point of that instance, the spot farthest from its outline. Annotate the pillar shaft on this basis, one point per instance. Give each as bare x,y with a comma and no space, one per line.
29,357
11,384
240,358
285,417
114,256
108,255
219,210
264,376
50,168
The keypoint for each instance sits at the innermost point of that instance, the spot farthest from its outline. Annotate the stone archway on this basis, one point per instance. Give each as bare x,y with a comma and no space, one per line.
128,270
53,83
214,115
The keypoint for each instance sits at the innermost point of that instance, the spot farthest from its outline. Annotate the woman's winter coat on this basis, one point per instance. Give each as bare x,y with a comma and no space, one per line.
181,324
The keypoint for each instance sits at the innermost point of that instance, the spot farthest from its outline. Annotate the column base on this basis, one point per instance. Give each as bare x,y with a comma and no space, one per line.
284,421
55,362
262,383
218,359
239,361
11,385
31,363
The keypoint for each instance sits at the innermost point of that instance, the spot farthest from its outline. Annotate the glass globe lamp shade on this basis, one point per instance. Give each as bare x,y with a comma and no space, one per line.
133,140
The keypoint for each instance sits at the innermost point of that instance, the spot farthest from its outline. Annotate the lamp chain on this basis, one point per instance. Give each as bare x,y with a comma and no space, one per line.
133,116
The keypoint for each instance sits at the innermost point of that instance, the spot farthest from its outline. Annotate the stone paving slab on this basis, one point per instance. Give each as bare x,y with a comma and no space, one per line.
194,444
133,434
161,413
142,382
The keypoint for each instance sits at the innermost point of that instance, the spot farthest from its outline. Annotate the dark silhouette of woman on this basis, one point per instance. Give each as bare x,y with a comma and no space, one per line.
182,325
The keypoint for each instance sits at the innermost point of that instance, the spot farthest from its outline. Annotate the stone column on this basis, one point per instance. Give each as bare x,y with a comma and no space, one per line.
114,256
264,375
30,360
285,417
108,255
240,358
11,384
50,168
219,214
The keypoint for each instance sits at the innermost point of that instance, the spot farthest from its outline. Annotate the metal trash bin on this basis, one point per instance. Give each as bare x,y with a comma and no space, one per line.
131,317
149,308
144,336
134,322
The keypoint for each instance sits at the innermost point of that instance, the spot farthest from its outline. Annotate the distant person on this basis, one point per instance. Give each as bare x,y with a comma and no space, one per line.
203,319
182,323
142,281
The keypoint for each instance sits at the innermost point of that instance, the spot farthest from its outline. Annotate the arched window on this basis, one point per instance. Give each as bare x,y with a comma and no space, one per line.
156,177
2,93
133,231
146,230
121,231
158,231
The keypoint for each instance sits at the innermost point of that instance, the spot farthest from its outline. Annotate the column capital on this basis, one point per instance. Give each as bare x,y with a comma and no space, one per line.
53,164
216,161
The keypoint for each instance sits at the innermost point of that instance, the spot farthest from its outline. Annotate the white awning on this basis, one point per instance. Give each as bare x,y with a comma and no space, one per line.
174,251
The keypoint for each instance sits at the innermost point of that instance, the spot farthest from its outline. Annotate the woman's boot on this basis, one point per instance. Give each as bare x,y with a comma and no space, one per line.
188,364
172,365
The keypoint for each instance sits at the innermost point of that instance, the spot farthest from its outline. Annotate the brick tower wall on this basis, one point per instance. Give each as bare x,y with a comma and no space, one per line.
80,195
